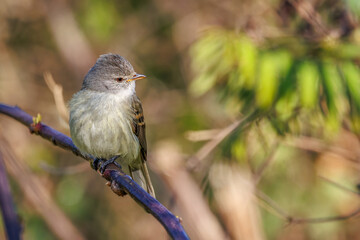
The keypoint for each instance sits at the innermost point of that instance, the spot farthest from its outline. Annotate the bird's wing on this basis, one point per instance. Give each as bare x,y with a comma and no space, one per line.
139,131
139,126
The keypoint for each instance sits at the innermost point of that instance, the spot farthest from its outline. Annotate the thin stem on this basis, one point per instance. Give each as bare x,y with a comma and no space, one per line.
120,182
295,220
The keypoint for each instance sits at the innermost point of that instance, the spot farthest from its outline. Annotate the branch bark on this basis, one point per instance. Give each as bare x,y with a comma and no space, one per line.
120,182
10,218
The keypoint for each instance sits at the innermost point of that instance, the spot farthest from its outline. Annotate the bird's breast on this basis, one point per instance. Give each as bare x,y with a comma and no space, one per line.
101,125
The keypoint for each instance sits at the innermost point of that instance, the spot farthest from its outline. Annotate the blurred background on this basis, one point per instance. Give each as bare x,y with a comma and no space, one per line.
252,110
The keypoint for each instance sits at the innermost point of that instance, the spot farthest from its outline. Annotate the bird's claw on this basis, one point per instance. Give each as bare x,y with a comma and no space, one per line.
107,162
96,163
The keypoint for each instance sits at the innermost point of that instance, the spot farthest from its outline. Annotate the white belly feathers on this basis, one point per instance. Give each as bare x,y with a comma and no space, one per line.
107,131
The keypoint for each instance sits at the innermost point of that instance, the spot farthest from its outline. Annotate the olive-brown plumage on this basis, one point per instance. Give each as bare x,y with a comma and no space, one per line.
106,117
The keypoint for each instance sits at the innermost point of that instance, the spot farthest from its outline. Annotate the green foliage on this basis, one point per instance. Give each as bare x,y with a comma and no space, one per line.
354,6
100,19
287,87
281,82
36,229
70,194
287,75
308,84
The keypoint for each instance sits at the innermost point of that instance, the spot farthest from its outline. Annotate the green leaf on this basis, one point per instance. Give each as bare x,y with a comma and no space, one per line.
207,52
352,78
333,90
100,19
238,149
283,60
235,82
285,106
202,84
246,55
308,84
267,82
332,86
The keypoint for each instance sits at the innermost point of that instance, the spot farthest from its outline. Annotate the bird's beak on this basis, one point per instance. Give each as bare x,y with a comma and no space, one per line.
136,77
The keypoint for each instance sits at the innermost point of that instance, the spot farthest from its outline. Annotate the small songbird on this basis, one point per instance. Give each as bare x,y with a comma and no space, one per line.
107,121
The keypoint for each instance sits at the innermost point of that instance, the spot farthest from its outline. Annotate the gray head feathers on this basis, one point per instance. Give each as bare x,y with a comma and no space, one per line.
114,62
109,74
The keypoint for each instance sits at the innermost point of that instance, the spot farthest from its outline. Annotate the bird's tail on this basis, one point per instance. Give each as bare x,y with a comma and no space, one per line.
142,178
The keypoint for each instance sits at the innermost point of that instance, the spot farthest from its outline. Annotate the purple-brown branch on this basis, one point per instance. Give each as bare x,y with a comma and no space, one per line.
10,218
120,182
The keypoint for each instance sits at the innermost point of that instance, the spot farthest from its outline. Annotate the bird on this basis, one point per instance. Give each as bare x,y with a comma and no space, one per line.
107,121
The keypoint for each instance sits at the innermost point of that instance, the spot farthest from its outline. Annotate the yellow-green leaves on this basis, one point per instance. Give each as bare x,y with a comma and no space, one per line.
352,78
208,55
267,82
308,84
99,19
246,57
278,82
202,84
273,69
332,85
333,92
218,55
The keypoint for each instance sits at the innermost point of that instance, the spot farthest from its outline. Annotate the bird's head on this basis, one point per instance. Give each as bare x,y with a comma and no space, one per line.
111,73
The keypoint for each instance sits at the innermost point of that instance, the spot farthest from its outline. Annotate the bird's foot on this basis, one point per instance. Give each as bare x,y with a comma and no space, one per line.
107,162
96,163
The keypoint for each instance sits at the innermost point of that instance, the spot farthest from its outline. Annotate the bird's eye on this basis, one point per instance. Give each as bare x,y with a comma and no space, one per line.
120,79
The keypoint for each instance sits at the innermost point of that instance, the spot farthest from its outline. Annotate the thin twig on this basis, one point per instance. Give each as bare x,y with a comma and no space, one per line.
10,218
295,220
210,146
120,182
202,135
57,92
348,216
204,151
274,206
265,164
339,185
316,145
309,14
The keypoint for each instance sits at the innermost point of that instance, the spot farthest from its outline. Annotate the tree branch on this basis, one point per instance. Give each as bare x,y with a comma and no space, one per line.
37,194
120,182
10,218
295,220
